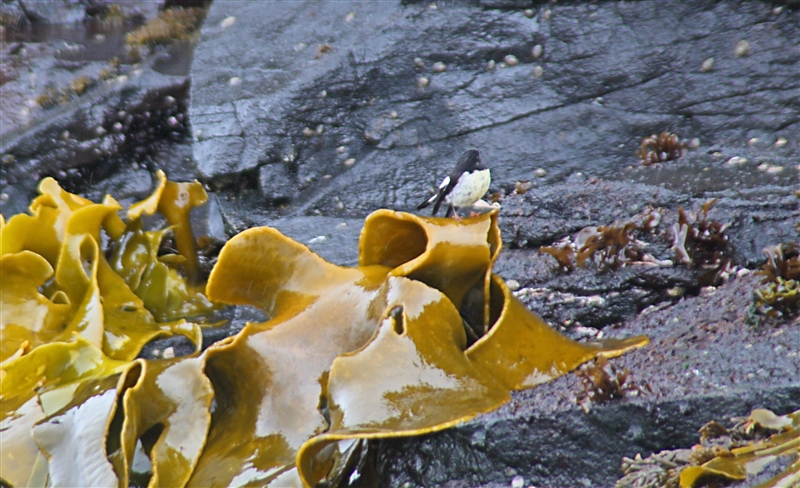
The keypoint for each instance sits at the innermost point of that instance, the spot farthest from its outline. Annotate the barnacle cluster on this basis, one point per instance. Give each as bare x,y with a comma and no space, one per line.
701,243
602,382
659,148
778,296
724,455
348,354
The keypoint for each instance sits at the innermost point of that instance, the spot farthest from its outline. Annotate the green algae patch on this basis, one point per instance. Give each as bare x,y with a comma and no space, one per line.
419,337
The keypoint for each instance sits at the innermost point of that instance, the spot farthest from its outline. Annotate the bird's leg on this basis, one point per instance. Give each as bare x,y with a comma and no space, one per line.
456,217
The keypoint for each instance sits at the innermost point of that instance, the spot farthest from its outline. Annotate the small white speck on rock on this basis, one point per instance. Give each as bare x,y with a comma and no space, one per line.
707,65
742,48
349,162
490,65
511,60
512,285
423,82
540,172
536,51
419,62
538,71
227,22
781,142
736,161
529,13
235,81
439,67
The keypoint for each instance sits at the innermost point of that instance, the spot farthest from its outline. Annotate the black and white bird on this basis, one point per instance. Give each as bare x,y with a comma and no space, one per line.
467,184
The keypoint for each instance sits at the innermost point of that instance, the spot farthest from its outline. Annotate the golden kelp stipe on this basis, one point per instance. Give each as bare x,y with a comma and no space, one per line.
174,201
412,378
522,351
751,459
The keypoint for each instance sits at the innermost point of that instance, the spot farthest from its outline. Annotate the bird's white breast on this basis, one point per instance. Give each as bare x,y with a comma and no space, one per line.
470,188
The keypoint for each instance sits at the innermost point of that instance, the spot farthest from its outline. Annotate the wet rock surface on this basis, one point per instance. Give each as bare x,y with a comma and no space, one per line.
310,115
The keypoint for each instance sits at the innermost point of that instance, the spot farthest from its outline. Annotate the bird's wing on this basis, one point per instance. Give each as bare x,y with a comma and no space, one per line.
442,188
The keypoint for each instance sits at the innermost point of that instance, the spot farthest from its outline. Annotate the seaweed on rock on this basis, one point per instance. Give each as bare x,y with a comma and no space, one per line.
349,354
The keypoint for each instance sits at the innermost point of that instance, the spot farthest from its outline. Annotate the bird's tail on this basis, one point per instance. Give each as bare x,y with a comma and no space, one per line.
426,203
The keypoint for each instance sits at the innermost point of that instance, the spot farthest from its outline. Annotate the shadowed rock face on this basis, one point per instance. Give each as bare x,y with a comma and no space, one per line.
309,115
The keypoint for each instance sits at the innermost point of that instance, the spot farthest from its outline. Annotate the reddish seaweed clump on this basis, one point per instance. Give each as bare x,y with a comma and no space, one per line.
602,382
701,243
659,148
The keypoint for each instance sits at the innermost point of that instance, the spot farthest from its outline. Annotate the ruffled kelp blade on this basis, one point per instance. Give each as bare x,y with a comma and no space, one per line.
167,414
413,378
349,354
752,459
39,384
27,317
269,378
70,327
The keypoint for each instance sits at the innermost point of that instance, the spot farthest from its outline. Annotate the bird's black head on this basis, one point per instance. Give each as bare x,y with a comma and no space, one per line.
471,161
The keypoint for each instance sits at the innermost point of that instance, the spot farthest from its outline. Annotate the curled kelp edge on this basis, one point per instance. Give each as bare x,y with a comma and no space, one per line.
522,351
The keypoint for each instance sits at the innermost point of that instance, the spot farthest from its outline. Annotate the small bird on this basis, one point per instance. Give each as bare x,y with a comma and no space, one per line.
467,183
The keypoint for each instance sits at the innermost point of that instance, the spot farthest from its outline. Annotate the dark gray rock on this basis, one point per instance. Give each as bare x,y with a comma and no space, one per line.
610,76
